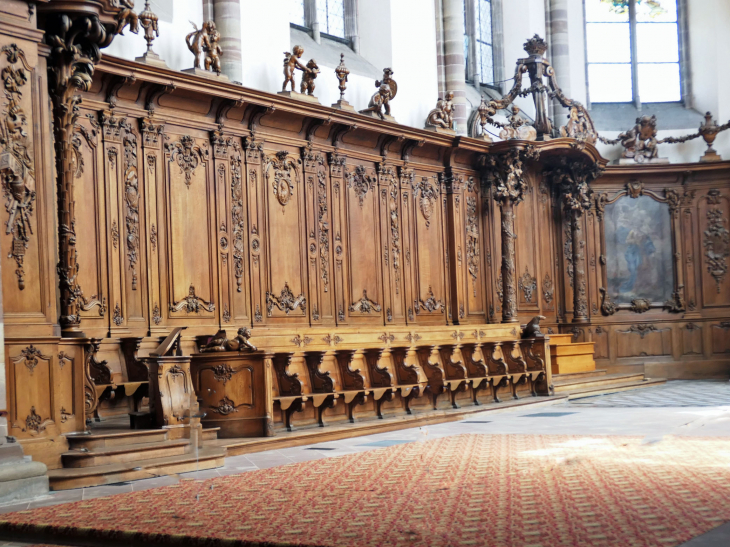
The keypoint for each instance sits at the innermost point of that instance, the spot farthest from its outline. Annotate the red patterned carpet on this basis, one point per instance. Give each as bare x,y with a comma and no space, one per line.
486,490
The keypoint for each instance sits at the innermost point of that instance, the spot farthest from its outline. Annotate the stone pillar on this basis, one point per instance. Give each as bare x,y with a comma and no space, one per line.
441,74
454,65
352,32
208,10
559,53
227,17
508,186
312,20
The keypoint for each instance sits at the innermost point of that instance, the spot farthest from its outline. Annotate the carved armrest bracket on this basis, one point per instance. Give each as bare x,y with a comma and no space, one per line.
289,384
322,382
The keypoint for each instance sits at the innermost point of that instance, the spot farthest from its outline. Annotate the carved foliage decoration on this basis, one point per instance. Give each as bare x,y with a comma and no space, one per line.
426,191
324,229
365,305
641,329
640,305
389,175
30,357
281,173
237,219
286,301
186,155
360,182
430,304
472,241
528,285
547,289
131,200
192,303
607,306
717,245
16,163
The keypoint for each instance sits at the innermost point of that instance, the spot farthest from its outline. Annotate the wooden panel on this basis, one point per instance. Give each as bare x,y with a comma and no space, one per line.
691,338
721,338
644,339
714,216
600,340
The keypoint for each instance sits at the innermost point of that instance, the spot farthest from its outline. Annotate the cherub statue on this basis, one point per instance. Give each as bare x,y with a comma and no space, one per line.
308,78
517,128
127,16
205,41
388,79
580,125
220,342
443,114
291,64
380,101
640,142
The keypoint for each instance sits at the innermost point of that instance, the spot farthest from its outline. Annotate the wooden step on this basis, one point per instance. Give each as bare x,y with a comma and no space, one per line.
127,453
123,438
211,433
615,388
560,339
587,374
579,348
571,385
206,458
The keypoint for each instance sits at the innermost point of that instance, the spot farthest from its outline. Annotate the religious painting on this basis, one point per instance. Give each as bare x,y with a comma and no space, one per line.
639,250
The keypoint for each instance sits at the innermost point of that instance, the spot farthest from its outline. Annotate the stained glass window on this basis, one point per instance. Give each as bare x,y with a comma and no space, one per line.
331,16
611,25
296,12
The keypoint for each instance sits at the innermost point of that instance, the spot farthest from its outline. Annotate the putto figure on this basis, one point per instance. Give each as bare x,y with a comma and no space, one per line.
308,78
205,42
379,102
443,115
291,65
640,142
220,342
389,81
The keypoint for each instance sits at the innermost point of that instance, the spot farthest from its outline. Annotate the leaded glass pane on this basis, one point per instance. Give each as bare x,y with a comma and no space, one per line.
656,11
486,65
608,43
657,42
331,16
296,12
607,11
610,83
485,21
659,83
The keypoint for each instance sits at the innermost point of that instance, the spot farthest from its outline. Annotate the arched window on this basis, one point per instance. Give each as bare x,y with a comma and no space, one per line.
633,51
478,41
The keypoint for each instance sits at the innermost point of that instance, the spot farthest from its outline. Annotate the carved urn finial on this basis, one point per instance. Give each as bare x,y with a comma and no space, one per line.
149,21
709,130
342,73
535,46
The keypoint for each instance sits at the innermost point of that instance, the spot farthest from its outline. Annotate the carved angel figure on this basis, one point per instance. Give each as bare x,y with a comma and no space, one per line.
308,78
291,65
640,142
205,42
580,125
443,114
220,342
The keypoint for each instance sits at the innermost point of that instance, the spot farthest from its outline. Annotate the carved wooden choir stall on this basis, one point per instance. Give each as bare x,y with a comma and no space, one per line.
380,270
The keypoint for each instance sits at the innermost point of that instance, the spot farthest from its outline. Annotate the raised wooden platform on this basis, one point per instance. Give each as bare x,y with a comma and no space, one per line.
568,357
589,384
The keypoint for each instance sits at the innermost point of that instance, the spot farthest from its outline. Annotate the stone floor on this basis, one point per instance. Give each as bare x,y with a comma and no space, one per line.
685,408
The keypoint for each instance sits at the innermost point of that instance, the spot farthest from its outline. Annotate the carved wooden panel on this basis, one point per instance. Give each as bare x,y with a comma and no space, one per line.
644,339
391,227
428,252
721,338
187,239
691,338
600,339
475,246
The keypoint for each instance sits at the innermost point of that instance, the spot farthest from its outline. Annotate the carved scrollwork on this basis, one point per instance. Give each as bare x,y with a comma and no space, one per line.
131,200
528,285
413,337
286,301
641,329
117,318
301,341
426,191
547,290
16,162
225,407
389,176
34,423
386,337
365,305
30,357
156,317
360,183
640,305
237,220
717,245
607,306
676,304
324,229
186,155
430,304
192,303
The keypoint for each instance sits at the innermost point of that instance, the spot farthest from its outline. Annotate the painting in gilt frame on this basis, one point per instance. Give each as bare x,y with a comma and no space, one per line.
639,250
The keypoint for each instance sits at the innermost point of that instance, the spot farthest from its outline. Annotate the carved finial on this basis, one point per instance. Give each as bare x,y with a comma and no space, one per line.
149,21
341,72
535,45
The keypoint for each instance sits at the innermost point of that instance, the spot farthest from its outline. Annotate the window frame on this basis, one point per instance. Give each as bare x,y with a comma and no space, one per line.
312,24
683,57
472,40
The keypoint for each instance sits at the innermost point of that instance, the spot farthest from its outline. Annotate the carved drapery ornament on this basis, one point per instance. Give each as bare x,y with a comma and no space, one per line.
717,245
360,183
192,303
16,163
365,305
286,301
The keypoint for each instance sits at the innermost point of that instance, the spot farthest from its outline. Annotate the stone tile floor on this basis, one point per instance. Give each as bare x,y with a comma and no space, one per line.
616,414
